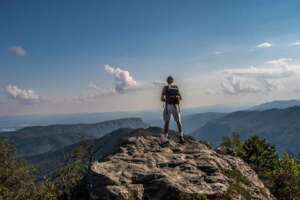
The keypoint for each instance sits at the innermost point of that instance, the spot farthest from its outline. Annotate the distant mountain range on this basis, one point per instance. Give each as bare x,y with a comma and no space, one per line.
190,122
41,139
282,104
195,121
12,123
153,117
279,126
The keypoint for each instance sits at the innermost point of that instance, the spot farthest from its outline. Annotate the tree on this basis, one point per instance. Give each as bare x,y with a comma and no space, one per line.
70,181
233,143
285,179
16,180
259,154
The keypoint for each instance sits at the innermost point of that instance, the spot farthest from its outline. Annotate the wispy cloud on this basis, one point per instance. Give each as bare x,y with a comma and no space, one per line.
218,52
158,83
264,45
280,62
209,91
258,79
22,95
295,44
17,51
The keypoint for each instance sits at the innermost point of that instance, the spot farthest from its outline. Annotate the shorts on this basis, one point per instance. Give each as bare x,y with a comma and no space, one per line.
172,109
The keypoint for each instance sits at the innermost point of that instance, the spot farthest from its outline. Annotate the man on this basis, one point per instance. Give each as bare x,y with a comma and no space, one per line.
172,97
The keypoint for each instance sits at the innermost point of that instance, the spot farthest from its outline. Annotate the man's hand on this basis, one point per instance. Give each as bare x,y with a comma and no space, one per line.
163,98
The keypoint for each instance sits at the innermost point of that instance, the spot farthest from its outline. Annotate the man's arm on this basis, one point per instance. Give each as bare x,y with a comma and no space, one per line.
163,94
179,94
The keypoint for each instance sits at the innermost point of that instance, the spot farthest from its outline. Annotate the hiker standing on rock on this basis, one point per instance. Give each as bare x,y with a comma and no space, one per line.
171,97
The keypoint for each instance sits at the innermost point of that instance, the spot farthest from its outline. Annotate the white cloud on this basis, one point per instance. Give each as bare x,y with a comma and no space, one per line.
22,95
18,51
264,45
258,79
235,85
123,81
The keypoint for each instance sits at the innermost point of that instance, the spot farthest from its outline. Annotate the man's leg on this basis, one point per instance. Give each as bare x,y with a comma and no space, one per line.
167,117
177,117
179,126
166,127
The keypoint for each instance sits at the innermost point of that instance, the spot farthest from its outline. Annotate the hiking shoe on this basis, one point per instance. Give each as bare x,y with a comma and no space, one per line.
164,138
181,139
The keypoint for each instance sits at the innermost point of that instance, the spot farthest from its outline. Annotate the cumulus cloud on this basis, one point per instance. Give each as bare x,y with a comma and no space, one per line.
258,79
123,81
235,85
17,51
264,45
22,95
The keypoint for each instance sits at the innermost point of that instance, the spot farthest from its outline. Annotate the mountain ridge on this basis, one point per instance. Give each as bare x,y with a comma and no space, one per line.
279,126
50,138
279,104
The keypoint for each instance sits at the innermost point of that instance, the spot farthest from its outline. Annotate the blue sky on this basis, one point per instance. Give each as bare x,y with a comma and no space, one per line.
53,53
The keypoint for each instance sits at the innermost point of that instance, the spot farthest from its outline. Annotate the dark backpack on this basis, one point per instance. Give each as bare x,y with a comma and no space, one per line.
172,93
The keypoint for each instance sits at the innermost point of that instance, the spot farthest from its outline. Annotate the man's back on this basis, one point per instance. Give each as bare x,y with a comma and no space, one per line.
172,94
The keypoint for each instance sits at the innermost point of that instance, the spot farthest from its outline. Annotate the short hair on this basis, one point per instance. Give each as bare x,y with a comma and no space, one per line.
170,79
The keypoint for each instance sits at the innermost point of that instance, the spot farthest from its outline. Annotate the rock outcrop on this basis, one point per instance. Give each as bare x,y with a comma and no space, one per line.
144,168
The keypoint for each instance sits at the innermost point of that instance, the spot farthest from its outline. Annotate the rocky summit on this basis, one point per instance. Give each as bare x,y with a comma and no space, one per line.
144,168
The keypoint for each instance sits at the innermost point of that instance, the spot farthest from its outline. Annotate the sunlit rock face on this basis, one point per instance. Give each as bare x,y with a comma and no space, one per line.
145,168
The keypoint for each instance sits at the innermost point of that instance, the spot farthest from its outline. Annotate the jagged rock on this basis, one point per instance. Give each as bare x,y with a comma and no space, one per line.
145,169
